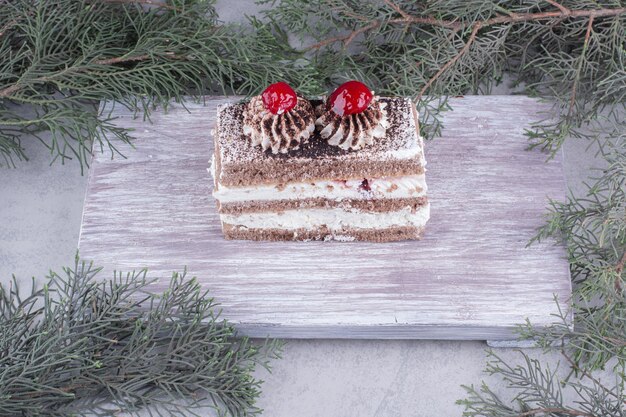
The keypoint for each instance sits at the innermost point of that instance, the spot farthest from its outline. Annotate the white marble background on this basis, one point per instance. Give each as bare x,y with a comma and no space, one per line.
40,212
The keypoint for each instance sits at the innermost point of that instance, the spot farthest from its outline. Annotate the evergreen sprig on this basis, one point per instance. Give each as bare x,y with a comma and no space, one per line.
572,52
66,55
60,58
87,346
594,230
540,392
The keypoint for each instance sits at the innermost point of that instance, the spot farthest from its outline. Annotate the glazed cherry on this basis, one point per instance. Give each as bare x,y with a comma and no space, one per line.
279,98
350,98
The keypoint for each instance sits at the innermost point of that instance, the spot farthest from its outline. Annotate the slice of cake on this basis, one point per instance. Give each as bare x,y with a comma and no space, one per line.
348,168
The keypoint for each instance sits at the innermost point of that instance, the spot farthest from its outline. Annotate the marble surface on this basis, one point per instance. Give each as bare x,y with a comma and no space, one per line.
41,206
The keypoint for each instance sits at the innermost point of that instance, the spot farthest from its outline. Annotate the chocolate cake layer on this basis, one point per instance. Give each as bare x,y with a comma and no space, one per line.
389,234
238,162
332,219
378,205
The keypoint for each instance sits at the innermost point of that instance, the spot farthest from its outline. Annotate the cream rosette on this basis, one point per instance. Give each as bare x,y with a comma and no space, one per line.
354,131
278,132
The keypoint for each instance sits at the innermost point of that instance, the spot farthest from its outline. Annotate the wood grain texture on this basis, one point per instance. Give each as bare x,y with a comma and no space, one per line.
471,277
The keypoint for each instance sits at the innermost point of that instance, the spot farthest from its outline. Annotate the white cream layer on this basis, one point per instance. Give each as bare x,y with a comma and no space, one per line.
335,219
409,153
379,188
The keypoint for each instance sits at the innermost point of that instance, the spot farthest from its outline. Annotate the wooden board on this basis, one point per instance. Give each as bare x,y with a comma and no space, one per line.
471,277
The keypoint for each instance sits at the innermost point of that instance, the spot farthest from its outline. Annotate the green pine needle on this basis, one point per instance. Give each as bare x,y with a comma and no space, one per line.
61,57
82,345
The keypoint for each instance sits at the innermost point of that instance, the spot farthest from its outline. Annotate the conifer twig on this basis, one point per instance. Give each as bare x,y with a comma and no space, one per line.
537,41
559,6
398,9
86,346
459,26
586,374
7,26
84,51
451,62
581,60
589,225
151,3
619,267
550,410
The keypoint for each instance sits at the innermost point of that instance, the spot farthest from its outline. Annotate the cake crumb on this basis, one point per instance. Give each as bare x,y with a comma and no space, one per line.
342,238
393,188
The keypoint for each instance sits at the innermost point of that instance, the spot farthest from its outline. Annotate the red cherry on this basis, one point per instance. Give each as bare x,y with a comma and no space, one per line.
279,98
350,98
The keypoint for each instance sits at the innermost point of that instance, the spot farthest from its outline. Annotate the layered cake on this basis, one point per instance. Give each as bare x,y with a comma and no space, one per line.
350,167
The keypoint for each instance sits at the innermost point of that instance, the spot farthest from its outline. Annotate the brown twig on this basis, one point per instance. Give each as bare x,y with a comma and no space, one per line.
121,60
356,16
456,26
559,6
398,9
617,342
510,13
572,99
448,24
619,267
566,411
9,90
355,33
587,375
153,3
524,17
124,59
7,26
6,92
347,39
451,62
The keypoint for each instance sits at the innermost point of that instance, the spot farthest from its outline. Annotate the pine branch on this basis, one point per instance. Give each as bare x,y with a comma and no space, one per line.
559,6
84,346
594,228
398,9
461,48
619,267
142,54
538,393
559,411
151,3
581,61
451,62
587,374
457,26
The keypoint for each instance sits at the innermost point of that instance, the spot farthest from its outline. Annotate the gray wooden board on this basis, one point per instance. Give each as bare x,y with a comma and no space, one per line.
471,277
